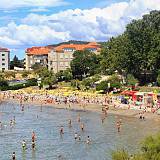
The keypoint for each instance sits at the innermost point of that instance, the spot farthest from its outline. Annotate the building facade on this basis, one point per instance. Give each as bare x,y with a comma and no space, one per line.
36,55
4,59
61,56
57,58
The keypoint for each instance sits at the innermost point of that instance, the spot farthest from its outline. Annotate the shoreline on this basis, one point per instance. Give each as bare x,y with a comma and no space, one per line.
92,108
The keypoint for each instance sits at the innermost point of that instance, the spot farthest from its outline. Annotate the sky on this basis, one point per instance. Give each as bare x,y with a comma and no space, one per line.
27,23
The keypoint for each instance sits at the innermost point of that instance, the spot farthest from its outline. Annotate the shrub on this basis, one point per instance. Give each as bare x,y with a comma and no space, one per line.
120,155
131,80
102,86
158,79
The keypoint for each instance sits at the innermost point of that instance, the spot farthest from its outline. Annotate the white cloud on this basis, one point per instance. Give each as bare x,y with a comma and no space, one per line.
93,24
12,4
40,9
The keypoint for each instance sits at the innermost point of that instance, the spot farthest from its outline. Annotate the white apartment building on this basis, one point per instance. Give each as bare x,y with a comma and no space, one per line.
4,59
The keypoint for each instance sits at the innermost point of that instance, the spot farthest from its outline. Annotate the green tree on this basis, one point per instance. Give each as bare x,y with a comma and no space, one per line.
76,83
37,67
3,83
16,63
84,64
88,82
131,80
47,77
102,86
137,50
65,75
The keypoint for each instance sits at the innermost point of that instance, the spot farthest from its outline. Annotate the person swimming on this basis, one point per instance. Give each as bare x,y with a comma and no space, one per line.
75,136
33,144
24,144
88,140
14,156
79,137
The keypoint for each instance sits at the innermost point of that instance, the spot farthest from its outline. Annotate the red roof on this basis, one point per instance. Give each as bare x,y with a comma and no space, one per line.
46,50
79,47
4,49
38,51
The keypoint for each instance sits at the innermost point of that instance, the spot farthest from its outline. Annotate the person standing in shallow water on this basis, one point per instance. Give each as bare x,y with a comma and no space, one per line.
82,126
79,118
33,136
118,124
70,123
61,130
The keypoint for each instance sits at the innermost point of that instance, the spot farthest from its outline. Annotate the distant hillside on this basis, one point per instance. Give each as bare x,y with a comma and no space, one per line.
68,42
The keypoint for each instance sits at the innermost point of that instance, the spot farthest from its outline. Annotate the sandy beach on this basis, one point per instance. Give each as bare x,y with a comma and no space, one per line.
92,108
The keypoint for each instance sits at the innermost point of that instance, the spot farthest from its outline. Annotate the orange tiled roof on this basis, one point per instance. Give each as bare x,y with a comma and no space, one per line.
77,46
4,49
38,51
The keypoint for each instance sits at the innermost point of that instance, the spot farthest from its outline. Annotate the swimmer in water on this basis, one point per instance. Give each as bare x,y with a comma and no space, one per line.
22,109
24,145
14,120
61,130
118,126
33,136
79,137
88,140
11,122
82,126
75,136
79,118
33,144
70,123
14,156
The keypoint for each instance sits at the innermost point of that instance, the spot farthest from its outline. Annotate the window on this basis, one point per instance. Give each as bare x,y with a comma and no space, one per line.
61,55
3,59
3,54
66,56
66,64
61,63
69,49
3,64
3,69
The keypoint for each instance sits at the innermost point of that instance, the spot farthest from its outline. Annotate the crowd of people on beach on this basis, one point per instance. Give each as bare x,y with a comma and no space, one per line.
68,101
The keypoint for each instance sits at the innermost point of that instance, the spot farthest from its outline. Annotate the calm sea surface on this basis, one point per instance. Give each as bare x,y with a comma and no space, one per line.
51,146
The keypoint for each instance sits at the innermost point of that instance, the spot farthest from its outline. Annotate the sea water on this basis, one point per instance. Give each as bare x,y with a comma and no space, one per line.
50,145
